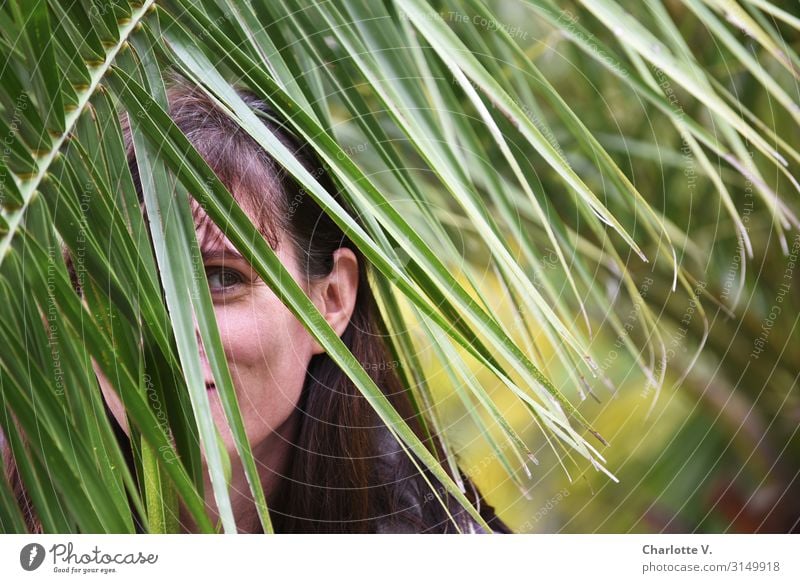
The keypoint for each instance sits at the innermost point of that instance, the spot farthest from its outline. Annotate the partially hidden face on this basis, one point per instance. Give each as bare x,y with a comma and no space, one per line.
268,350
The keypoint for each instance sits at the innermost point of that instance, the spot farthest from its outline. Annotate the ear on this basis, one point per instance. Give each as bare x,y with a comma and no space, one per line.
335,294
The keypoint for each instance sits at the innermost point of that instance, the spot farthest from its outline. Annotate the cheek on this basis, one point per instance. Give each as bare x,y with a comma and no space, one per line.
268,352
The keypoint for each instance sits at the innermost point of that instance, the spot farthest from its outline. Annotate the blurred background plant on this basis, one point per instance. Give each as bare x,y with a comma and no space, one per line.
585,203
716,450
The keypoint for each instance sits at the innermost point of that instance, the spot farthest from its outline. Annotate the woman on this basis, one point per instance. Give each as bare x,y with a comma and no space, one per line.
326,461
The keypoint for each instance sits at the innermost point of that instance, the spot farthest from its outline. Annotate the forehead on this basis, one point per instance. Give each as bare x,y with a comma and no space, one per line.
212,237
252,181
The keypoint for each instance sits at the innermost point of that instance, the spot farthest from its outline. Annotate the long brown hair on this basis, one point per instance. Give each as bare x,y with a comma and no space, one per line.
346,472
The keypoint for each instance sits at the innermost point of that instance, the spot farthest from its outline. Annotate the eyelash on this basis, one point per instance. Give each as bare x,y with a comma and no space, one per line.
222,271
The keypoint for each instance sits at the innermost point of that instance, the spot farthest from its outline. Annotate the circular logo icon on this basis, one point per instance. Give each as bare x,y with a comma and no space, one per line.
31,556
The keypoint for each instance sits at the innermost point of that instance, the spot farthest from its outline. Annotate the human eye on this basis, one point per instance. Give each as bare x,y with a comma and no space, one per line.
223,279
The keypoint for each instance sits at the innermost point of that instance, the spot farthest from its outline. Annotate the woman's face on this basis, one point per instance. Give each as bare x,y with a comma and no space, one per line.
268,350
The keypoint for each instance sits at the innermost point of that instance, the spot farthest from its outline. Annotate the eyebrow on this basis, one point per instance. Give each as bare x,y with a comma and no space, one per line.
231,254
